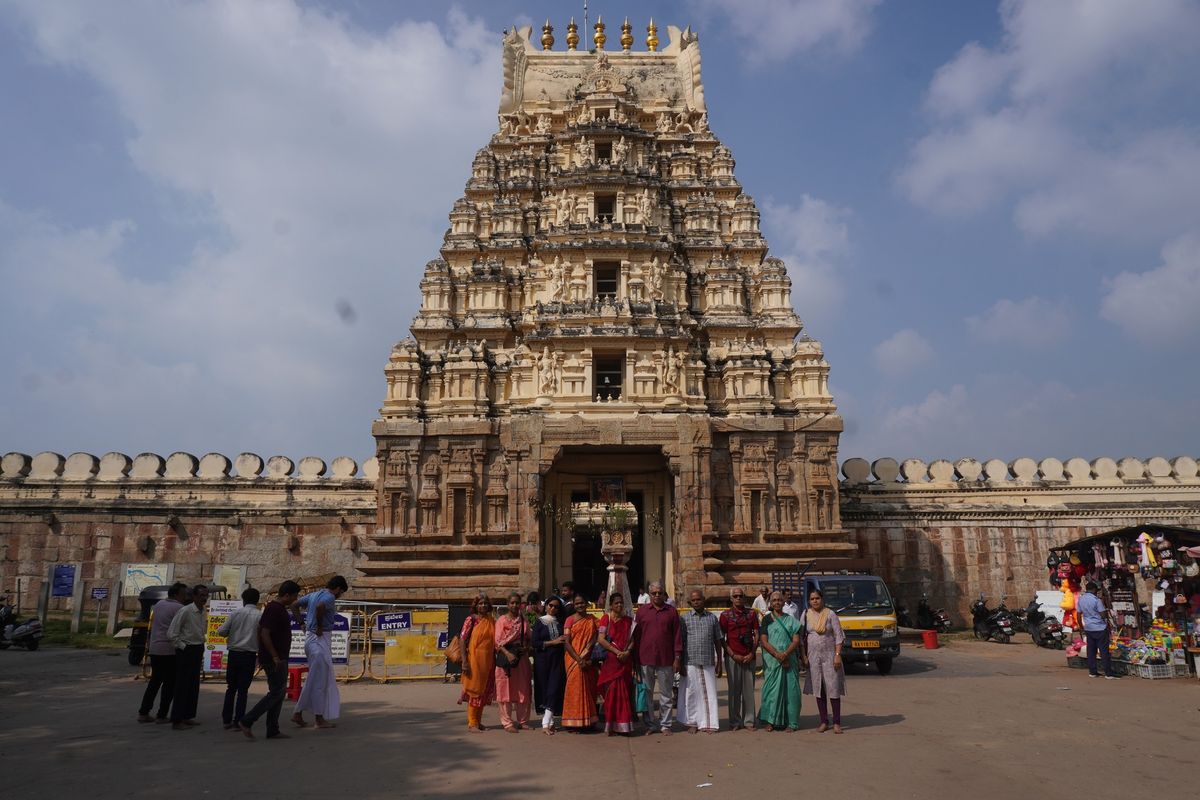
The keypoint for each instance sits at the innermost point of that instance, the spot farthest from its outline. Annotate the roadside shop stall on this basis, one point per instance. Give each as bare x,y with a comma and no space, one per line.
1149,579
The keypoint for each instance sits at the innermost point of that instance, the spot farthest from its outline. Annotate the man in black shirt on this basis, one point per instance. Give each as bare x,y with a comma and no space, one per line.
275,642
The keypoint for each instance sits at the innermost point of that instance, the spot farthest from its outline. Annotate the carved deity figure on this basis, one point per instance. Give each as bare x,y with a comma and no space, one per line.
656,279
546,373
558,279
543,123
671,373
664,122
702,122
585,116
620,151
645,208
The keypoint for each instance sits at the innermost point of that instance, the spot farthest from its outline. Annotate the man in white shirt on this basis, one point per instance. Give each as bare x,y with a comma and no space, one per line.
187,633
760,603
241,631
792,606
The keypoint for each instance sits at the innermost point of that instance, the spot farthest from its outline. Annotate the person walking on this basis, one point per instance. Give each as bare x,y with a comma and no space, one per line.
822,654
320,693
513,676
549,667
162,656
615,682
658,643
579,697
478,638
739,627
240,630
704,655
274,645
1095,628
779,637
187,633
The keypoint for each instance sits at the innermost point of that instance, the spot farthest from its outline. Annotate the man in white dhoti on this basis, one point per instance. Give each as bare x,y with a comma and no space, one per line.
704,653
320,693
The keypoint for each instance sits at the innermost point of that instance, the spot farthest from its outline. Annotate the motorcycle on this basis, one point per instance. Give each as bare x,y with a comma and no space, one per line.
991,624
1045,630
932,620
1020,623
27,634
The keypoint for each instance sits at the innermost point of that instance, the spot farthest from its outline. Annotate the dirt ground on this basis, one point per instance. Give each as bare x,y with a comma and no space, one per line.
971,719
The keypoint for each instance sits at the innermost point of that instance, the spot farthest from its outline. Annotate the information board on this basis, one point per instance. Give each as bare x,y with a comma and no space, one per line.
142,576
339,641
394,621
216,647
63,583
100,593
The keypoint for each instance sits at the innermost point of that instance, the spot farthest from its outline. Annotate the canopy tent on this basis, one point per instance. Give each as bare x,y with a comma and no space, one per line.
1186,537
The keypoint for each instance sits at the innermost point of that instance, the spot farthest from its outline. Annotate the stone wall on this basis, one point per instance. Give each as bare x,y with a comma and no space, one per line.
278,518
955,530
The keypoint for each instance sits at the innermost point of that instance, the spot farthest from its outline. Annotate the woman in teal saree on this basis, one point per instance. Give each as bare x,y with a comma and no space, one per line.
779,636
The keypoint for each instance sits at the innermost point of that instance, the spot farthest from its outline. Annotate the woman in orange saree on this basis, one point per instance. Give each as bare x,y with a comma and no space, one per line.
479,661
579,701
616,673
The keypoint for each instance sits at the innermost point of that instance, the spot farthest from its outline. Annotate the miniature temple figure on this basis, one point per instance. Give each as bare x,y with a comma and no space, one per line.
656,279
645,207
543,123
546,373
620,151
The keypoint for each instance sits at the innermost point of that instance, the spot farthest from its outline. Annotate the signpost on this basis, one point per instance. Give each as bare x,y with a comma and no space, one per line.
99,594
340,641
396,621
62,583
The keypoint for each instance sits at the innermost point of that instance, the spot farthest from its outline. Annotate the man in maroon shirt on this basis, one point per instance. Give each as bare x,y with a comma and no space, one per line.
658,646
740,626
275,643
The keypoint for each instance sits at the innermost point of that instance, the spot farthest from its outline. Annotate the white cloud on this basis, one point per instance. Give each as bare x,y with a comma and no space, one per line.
775,30
1032,322
1064,119
321,152
902,352
1159,306
814,240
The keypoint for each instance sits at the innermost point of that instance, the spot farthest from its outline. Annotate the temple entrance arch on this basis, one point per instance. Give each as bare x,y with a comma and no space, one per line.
602,474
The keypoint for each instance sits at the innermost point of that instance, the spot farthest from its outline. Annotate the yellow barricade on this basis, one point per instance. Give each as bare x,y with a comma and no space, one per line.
413,642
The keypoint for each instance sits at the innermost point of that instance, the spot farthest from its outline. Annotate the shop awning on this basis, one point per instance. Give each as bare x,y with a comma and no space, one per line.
1179,537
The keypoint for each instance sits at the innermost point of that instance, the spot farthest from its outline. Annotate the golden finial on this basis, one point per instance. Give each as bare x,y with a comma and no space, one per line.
626,35
572,35
547,36
599,38
652,36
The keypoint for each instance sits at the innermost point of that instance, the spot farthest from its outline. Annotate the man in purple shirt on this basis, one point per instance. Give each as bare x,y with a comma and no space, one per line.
162,655
658,640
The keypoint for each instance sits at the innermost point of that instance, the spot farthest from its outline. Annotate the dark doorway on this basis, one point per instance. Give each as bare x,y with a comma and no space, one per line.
636,572
589,573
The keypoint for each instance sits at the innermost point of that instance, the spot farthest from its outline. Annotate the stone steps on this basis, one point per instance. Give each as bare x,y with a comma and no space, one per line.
460,566
423,551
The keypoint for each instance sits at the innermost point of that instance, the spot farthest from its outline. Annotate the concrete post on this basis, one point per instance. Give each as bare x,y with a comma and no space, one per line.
77,599
114,607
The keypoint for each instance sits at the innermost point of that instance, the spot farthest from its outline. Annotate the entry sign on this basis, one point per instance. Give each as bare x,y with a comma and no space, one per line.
63,584
100,593
396,621
443,640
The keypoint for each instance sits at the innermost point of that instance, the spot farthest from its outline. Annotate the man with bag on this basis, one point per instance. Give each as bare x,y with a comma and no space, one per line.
739,624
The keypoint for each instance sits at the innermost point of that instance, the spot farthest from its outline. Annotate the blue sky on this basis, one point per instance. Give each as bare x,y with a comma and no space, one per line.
213,215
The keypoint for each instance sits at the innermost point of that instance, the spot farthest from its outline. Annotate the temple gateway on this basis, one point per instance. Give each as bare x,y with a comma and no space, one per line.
603,343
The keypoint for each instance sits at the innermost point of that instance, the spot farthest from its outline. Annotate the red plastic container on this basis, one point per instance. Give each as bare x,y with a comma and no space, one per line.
295,682
930,637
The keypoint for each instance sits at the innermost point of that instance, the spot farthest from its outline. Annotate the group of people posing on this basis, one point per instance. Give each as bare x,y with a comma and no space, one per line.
619,667
178,627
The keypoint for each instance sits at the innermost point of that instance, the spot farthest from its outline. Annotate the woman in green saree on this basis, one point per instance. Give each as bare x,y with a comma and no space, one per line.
779,636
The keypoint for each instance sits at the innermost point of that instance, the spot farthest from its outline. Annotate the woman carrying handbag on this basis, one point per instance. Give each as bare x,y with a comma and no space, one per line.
513,673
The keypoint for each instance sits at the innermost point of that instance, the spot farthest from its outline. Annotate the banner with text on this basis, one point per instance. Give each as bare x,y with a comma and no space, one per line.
339,641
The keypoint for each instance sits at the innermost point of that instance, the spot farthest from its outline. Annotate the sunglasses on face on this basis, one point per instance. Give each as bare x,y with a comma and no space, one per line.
656,593
738,595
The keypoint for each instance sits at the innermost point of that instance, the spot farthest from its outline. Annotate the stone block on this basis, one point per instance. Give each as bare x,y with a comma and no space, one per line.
80,467
213,466
249,465
311,468
280,467
856,471
886,470
914,470
343,468
1051,469
114,466
941,471
15,465
968,469
180,466
147,466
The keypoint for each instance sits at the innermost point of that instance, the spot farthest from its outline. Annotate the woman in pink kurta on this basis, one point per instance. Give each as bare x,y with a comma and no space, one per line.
513,683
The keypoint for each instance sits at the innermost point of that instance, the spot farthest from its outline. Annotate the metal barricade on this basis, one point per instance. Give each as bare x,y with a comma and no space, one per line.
408,643
358,647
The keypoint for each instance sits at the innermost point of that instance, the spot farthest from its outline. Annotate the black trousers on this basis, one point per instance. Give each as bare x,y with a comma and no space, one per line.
238,675
272,704
162,676
188,664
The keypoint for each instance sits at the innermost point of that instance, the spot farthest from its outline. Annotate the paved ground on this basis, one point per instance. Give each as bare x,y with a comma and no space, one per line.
994,721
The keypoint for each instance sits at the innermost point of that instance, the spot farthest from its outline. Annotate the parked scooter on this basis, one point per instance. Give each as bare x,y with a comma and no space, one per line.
1045,630
932,620
27,634
1019,622
991,624
903,620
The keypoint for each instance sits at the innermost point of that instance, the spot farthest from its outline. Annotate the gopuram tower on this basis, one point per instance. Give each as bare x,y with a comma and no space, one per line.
604,326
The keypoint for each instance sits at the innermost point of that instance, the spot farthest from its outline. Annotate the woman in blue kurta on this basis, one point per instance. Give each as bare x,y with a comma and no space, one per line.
779,636
548,666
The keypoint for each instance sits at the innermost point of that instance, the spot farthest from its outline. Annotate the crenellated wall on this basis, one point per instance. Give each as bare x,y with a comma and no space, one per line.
950,529
959,529
279,518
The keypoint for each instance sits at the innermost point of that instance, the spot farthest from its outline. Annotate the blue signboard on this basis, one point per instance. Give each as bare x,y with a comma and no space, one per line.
100,593
443,640
395,621
63,584
339,636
